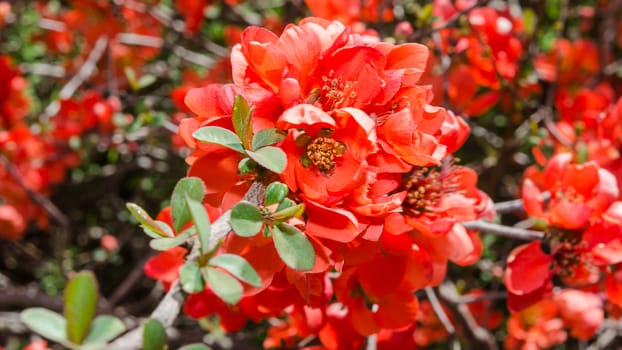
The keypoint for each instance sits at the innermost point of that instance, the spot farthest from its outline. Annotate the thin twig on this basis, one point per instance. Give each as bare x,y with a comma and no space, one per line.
85,71
442,316
447,292
36,197
448,23
505,231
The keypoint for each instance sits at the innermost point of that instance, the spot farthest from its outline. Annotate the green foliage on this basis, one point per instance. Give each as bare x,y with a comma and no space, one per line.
193,188
237,266
77,329
154,336
293,247
246,219
224,285
80,305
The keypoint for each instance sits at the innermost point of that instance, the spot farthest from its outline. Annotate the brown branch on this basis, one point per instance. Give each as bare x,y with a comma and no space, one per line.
169,307
447,292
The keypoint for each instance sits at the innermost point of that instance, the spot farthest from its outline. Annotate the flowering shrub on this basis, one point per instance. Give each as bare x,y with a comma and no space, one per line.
327,175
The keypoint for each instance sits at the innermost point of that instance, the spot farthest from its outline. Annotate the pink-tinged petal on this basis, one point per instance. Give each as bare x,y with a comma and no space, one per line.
289,92
528,269
606,191
533,200
570,215
614,213
331,223
305,116
459,245
610,253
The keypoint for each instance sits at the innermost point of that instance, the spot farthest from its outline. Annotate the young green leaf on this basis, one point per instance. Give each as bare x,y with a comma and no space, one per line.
190,276
288,213
201,222
293,247
270,157
145,220
104,329
242,123
219,136
224,285
80,305
237,266
246,165
154,335
267,137
246,220
196,346
285,203
46,323
275,193
168,243
194,188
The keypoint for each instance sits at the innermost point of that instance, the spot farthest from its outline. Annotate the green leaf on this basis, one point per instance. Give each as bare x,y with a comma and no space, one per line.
145,81
46,323
246,165
168,243
104,329
190,276
219,136
275,193
270,157
246,220
288,213
145,220
80,305
201,222
241,118
194,188
237,266
224,285
196,346
286,203
267,137
154,335
293,247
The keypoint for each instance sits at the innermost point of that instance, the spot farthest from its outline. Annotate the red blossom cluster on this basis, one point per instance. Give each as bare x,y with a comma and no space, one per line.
371,160
132,31
38,155
573,193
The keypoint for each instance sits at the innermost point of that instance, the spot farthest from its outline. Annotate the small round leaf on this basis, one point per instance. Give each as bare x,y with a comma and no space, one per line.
246,220
237,266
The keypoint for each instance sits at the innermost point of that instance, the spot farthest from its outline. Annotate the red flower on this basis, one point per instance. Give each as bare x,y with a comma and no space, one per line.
326,155
164,267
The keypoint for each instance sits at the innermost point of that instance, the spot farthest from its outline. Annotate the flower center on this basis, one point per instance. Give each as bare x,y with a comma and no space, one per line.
336,93
425,187
323,152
